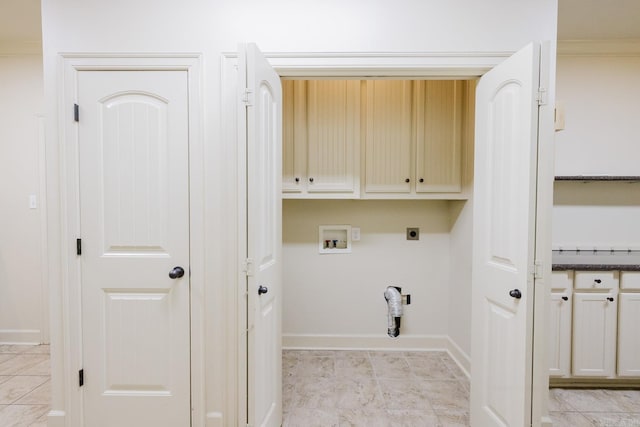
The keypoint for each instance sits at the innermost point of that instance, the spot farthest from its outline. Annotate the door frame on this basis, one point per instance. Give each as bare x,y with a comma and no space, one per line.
399,65
66,294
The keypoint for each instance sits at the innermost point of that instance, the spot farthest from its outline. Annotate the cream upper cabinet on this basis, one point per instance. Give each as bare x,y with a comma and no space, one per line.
413,141
438,124
388,144
321,138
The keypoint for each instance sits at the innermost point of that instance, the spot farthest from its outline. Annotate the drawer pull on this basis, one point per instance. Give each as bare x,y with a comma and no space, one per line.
598,281
610,299
565,298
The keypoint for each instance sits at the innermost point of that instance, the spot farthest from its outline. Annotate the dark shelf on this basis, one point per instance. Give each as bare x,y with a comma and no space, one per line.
601,178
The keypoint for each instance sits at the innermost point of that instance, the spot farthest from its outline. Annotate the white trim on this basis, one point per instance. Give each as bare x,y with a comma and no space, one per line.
70,350
379,342
44,241
390,65
599,47
56,419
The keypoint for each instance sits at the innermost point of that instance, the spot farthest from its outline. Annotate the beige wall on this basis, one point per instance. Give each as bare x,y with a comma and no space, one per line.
23,315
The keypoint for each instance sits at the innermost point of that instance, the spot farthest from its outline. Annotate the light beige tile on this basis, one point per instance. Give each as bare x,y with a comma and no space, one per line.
311,418
18,386
21,415
358,417
447,396
453,367
40,422
6,356
411,418
404,394
21,362
4,378
429,368
39,396
354,366
350,353
590,400
603,419
627,399
321,366
569,419
393,354
41,368
38,349
391,367
557,403
354,393
454,419
314,393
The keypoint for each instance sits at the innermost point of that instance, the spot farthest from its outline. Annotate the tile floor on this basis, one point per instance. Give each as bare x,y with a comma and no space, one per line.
360,388
24,385
342,388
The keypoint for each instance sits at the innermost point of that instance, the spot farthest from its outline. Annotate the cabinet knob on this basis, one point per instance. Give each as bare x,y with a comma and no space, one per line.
297,179
421,179
310,179
610,299
565,298
407,180
598,281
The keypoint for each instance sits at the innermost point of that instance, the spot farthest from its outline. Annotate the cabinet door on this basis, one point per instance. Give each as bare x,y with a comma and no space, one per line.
438,135
333,136
560,334
629,335
594,334
294,136
388,137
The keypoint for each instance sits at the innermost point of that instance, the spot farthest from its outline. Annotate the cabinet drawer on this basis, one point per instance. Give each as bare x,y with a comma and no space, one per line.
630,280
596,280
562,280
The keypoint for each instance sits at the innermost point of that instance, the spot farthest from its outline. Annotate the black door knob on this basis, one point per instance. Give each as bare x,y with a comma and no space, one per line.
262,290
515,293
176,272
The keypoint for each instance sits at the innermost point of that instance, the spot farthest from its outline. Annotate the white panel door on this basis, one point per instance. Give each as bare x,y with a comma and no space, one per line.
262,123
504,241
134,219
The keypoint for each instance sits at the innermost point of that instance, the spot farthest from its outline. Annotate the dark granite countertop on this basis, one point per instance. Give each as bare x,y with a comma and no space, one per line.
586,178
595,260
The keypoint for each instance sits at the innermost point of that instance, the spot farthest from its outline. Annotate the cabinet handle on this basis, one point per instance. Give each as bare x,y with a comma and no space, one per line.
421,180
297,179
598,281
310,179
610,299
407,180
565,298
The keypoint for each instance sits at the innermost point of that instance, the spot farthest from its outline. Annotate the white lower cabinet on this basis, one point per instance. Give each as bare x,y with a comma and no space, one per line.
559,342
594,334
594,325
629,325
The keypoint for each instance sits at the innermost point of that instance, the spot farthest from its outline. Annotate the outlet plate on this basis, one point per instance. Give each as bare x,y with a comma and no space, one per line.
413,233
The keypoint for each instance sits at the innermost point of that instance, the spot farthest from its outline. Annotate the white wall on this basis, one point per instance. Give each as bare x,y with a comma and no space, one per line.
342,294
600,92
23,315
212,27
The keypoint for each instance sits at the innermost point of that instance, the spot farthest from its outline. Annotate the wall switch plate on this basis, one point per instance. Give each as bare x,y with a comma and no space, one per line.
33,202
413,233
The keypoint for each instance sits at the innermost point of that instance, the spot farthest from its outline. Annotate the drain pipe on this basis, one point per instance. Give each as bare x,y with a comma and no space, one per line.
394,303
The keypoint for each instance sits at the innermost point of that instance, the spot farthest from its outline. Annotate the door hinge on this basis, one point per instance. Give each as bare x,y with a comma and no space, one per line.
248,267
78,246
81,377
247,97
541,96
76,113
537,270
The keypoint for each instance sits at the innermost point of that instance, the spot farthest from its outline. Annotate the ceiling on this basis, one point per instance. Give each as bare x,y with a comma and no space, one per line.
577,20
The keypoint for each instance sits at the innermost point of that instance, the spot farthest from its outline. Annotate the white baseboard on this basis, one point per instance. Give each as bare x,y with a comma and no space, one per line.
378,342
20,336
